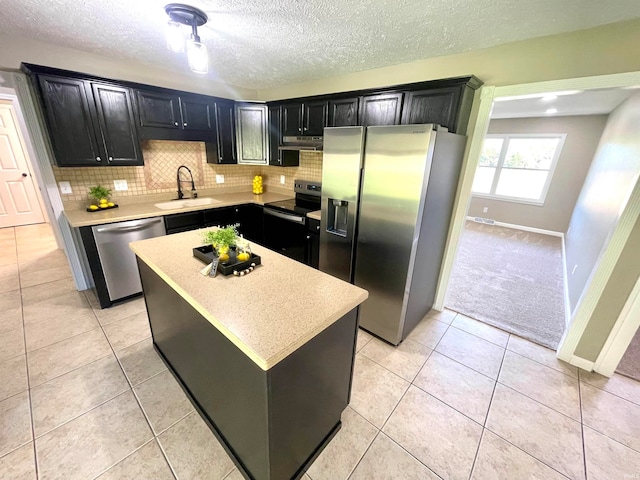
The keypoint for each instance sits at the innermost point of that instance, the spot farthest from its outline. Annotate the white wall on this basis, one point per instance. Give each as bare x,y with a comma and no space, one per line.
614,172
583,133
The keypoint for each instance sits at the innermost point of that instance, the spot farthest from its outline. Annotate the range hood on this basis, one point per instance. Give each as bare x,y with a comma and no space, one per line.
312,144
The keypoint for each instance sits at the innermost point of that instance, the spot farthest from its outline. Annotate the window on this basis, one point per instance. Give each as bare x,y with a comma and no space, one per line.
517,167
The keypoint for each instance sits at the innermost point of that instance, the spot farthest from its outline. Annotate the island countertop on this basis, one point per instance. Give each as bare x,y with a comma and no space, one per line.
269,313
138,210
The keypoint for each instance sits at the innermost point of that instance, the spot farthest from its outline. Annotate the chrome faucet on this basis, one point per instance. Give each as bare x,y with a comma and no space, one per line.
194,194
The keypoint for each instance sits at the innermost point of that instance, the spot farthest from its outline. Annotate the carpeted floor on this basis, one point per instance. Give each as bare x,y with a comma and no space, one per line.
510,279
630,363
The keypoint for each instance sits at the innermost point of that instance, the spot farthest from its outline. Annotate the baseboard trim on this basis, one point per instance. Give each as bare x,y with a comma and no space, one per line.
582,363
522,227
565,285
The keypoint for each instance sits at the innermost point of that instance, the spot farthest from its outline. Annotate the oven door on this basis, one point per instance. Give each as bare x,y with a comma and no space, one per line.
286,233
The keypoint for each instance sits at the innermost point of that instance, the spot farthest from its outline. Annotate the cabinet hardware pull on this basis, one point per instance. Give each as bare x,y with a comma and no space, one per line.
299,129
308,237
24,174
98,159
110,159
305,129
175,123
318,227
184,124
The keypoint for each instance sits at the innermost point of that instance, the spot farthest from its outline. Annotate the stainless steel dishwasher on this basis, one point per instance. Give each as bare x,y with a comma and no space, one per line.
117,260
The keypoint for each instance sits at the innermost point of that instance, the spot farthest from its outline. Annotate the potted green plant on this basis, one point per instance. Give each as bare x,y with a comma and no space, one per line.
221,239
101,196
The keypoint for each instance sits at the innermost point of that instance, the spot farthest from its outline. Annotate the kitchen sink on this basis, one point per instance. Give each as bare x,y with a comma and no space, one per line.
187,202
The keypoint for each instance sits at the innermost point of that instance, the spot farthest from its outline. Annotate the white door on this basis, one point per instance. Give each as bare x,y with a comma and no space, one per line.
19,203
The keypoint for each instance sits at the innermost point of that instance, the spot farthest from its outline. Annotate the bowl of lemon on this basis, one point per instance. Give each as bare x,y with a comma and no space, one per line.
100,199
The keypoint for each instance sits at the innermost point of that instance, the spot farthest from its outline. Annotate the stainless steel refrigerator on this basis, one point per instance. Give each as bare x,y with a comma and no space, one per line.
387,199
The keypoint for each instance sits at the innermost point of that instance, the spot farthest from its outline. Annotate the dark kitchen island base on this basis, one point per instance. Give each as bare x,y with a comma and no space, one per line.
275,422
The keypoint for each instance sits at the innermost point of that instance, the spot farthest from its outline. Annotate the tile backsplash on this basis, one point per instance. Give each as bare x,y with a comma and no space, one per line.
158,175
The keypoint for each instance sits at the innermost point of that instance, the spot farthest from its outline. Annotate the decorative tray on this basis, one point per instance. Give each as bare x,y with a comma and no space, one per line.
102,209
205,254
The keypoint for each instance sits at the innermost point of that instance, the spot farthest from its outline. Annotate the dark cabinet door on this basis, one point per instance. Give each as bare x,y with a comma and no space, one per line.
315,117
291,119
274,136
219,217
226,132
71,125
114,112
439,106
343,112
183,222
250,217
159,109
196,114
381,109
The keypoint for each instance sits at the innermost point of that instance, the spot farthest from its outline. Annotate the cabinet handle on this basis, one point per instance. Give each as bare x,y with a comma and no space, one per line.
98,159
24,175
184,124
305,129
299,129
318,227
280,160
110,159
308,237
175,123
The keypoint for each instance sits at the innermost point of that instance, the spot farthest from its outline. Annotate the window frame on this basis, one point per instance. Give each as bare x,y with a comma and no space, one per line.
506,137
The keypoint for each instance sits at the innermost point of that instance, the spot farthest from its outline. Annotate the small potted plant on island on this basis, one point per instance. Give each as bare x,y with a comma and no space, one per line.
221,240
100,198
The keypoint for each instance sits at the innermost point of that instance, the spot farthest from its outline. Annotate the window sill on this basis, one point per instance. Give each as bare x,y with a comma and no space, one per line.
525,201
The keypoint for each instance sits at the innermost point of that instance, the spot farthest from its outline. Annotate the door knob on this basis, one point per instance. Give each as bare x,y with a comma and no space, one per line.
24,175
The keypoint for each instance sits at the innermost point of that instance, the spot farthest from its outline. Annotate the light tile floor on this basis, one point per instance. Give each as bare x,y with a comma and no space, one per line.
83,395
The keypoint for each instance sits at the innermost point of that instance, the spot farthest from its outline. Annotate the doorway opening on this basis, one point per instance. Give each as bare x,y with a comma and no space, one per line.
583,295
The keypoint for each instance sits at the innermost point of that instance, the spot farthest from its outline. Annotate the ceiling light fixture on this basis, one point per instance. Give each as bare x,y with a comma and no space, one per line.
180,14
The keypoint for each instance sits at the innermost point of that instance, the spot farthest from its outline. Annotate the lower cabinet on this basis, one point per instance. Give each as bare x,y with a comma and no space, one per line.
248,217
313,243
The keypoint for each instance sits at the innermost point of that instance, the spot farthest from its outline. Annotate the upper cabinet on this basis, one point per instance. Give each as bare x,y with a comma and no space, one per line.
381,109
308,118
252,133
167,115
90,123
114,110
315,116
343,112
444,102
225,135
161,110
438,105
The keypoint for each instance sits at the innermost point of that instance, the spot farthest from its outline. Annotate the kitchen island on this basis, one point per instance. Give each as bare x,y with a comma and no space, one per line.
266,359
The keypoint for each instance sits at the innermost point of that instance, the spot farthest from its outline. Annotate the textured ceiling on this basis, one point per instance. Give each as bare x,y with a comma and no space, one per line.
588,102
261,44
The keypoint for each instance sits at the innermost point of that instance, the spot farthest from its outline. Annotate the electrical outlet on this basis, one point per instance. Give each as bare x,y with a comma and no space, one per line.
219,178
574,269
485,209
120,185
65,188
282,179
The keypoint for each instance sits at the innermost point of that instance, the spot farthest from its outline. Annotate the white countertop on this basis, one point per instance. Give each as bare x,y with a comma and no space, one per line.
269,313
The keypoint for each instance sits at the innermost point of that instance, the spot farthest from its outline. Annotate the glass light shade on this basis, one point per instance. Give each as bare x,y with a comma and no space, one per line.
198,57
175,39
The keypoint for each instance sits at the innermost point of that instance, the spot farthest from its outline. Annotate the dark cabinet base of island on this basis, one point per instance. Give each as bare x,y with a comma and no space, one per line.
273,423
